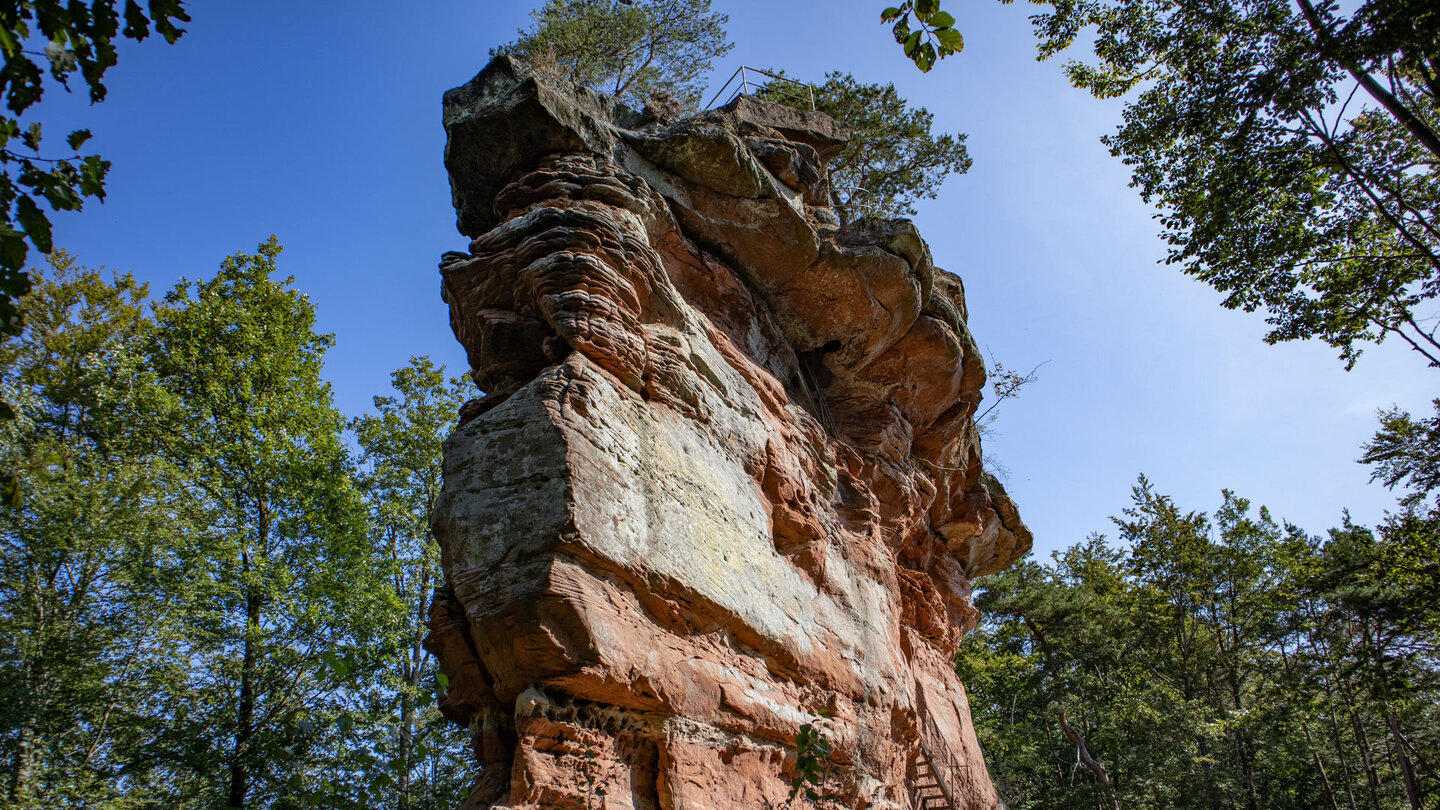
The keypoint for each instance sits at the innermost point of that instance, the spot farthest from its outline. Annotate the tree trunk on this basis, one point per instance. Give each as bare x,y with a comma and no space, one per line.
1094,765
1407,770
36,704
1362,742
245,715
842,210
414,671
24,763
1320,764
407,742
1338,740
1243,748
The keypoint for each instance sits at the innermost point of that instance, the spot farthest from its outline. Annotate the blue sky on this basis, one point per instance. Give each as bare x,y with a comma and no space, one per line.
320,123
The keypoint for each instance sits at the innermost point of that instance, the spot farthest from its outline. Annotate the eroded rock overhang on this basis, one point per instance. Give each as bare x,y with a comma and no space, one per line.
725,477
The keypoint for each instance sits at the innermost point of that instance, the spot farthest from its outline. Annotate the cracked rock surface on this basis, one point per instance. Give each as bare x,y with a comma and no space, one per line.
725,477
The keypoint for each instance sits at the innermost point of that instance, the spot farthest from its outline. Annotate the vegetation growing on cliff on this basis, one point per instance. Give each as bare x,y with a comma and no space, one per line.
657,52
892,158
632,51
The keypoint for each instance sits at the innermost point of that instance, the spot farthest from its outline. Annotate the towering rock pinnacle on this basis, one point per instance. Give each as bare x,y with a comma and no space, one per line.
725,478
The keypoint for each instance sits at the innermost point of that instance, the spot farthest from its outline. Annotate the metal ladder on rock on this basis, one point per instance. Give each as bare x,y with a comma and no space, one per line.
931,790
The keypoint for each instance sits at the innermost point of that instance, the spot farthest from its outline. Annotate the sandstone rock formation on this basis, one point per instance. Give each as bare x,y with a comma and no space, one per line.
724,479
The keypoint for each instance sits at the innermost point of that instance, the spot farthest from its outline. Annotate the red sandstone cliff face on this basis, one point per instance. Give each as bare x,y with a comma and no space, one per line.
725,477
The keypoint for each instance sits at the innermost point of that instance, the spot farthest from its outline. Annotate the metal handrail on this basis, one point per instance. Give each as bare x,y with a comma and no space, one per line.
743,88
817,398
868,209
941,779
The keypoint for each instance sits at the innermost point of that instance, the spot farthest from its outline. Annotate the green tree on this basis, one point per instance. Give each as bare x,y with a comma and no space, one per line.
1290,149
631,49
1060,635
1221,661
285,604
1406,453
892,158
402,447
87,559
1381,590
62,40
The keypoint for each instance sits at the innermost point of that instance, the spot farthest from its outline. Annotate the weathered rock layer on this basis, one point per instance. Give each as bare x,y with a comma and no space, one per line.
725,478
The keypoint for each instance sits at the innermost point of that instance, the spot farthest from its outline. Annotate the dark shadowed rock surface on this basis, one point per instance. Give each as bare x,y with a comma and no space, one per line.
725,477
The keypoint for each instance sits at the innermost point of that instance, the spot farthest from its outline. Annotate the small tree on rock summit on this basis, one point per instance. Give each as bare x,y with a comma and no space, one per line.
630,50
892,158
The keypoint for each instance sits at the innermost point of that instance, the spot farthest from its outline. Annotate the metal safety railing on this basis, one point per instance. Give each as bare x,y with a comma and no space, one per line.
936,779
745,83
811,383
858,200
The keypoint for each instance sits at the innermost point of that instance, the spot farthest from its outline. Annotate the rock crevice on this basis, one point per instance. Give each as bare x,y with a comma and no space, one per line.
724,479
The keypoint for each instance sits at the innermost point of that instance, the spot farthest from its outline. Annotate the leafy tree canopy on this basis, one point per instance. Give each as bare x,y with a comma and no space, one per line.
892,158
631,50
1291,150
402,448
87,560
1406,453
204,604
62,40
288,575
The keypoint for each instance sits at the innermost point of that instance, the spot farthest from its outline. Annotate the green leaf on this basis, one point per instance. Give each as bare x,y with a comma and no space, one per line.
162,11
889,14
941,19
912,44
443,681
337,664
902,30
137,25
950,39
92,176
12,249
78,138
925,8
925,57
31,136
35,223
10,491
